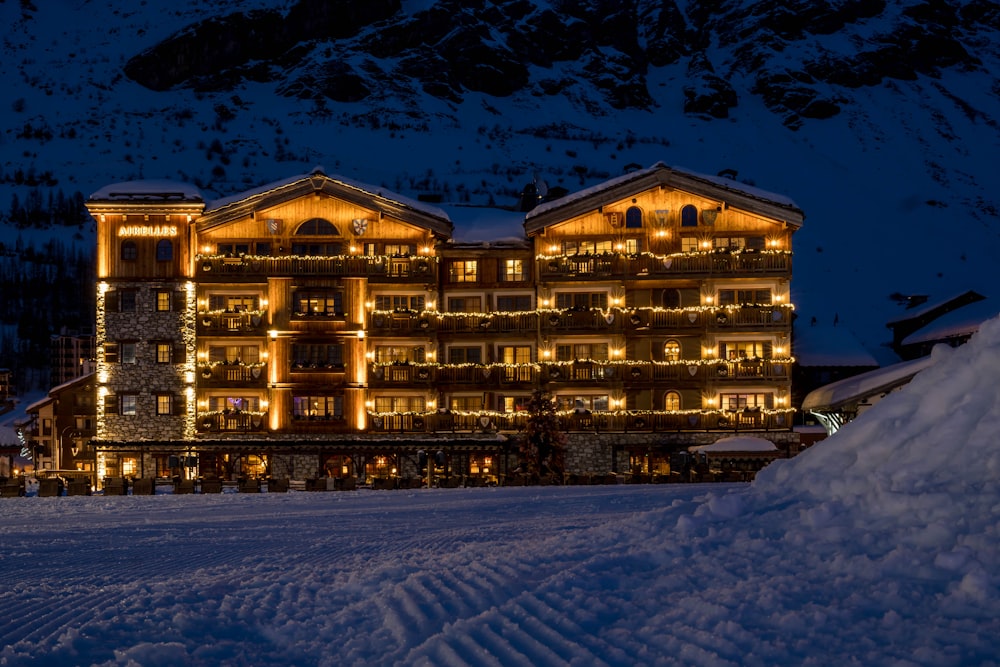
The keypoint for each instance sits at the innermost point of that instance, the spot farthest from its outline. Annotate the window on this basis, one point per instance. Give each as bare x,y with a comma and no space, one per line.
111,353
234,303
387,354
467,403
595,402
587,247
127,353
128,467
633,217
317,227
514,303
689,216
318,407
399,302
465,355
465,304
670,298
582,300
233,403
672,401
745,401
729,242
164,250
731,297
511,270
515,354
399,404
163,300
130,251
514,403
317,249
689,244
164,404
164,353
671,350
464,271
745,350
317,355
318,302
595,351
127,404
399,249
127,300
234,354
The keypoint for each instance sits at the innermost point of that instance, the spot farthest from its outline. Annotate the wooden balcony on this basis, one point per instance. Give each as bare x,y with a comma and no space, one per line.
398,375
376,268
232,375
753,369
238,323
581,321
613,422
647,265
487,323
230,421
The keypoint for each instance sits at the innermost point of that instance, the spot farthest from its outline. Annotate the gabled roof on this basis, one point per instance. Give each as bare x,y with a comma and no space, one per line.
221,211
732,192
58,389
959,323
858,387
150,196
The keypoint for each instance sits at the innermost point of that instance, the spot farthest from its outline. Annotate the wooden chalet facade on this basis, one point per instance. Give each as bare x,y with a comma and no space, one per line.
322,327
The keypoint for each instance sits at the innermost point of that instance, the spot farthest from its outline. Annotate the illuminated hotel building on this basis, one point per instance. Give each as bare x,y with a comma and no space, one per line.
323,327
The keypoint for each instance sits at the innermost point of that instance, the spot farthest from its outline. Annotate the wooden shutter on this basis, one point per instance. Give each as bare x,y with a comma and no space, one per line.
111,404
179,354
179,300
111,353
111,301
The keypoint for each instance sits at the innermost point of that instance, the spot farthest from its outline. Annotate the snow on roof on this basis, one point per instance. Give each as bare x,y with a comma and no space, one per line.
371,190
865,384
148,190
960,322
928,306
719,181
830,345
737,443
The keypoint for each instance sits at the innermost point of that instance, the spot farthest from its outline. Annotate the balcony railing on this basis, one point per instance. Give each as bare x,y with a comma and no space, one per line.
650,421
244,375
230,421
616,265
222,322
363,266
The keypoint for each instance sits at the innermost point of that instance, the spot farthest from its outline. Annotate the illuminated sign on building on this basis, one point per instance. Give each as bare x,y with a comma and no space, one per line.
147,230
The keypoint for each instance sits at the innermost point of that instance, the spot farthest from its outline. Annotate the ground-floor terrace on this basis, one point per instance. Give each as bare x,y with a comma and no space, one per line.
384,461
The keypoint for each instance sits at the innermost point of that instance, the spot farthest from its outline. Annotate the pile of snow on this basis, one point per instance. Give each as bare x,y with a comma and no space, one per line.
877,546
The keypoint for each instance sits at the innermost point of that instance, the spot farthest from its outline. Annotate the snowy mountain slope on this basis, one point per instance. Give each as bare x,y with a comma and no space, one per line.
878,118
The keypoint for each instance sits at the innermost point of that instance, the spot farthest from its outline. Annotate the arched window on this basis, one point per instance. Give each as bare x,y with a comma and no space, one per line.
317,227
671,298
689,216
633,217
164,250
130,251
672,401
672,350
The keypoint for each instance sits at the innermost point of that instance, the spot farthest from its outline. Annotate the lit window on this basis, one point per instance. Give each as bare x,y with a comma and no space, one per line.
689,244
164,353
464,271
671,350
317,407
672,401
163,300
128,467
164,404
512,269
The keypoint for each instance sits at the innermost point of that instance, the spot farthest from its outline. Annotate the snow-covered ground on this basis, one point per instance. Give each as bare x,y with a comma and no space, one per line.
878,546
